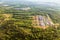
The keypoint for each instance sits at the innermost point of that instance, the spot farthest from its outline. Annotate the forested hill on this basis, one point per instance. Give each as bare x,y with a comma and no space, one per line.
16,18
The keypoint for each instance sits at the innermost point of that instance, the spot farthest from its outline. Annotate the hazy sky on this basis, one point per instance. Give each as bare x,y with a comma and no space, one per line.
56,1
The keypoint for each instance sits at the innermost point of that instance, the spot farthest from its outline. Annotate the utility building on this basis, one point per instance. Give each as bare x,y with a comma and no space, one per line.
42,21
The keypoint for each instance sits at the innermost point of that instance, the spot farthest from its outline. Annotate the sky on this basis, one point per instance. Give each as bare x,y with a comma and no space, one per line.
55,1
